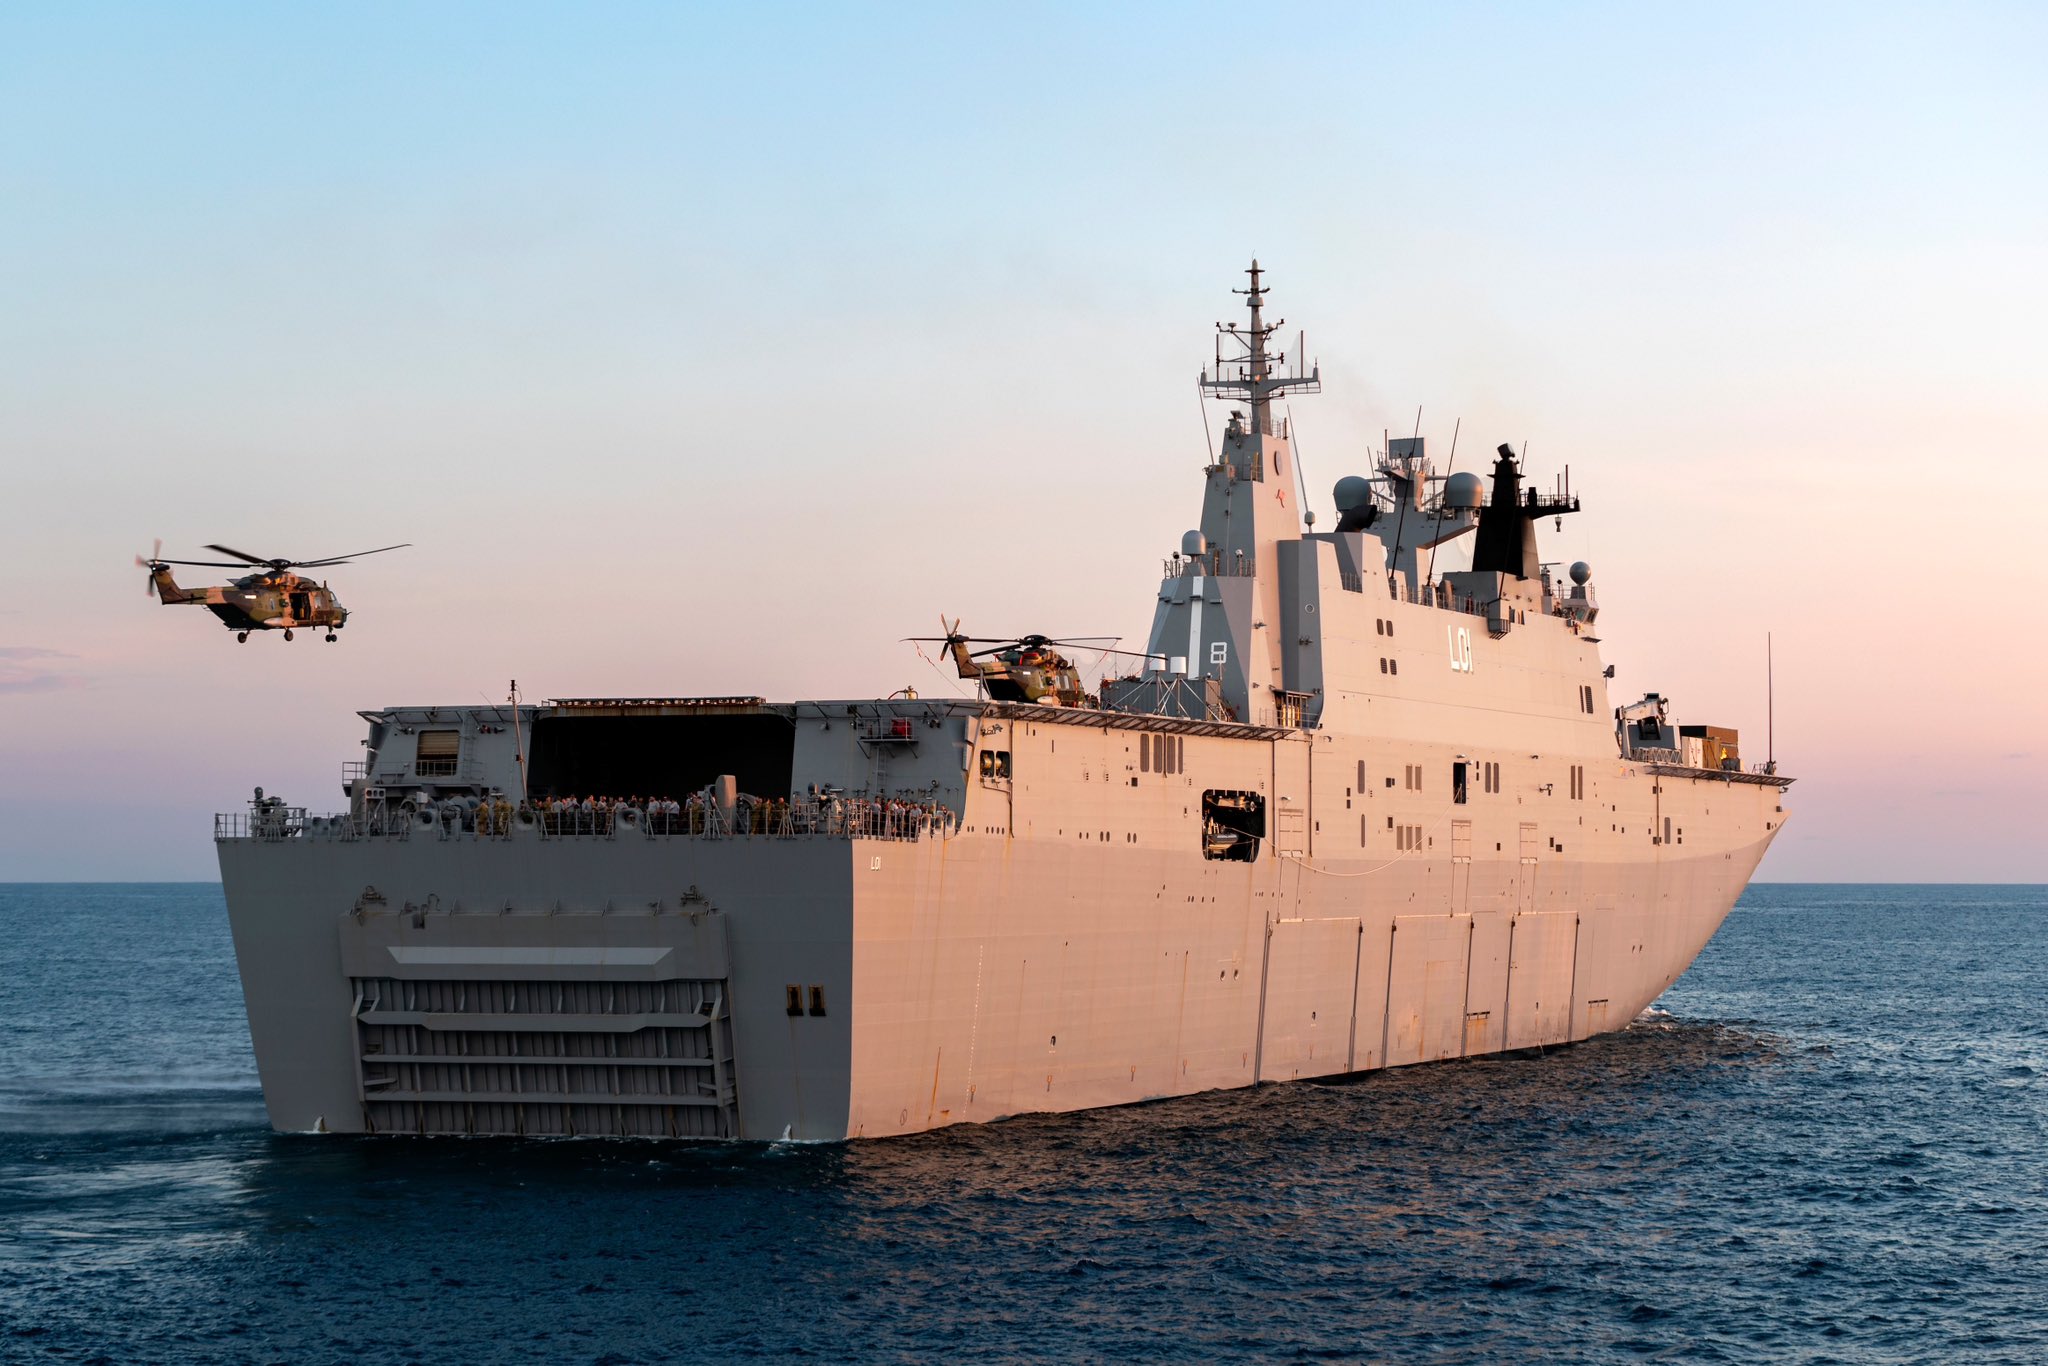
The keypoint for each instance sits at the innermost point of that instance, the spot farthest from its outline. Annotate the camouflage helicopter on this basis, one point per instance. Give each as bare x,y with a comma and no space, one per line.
1026,669
271,599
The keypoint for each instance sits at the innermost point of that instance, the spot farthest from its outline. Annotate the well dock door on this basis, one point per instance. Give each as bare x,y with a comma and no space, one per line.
1311,999
1541,958
1426,988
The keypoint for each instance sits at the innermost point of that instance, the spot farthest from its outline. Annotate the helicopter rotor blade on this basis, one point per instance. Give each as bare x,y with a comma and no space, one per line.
344,559
242,555
217,564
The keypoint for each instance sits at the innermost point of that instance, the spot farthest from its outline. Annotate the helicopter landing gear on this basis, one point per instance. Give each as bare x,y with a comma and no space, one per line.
287,633
242,636
331,637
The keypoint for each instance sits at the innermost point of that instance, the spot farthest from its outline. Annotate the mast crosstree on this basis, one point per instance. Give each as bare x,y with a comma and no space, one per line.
1249,373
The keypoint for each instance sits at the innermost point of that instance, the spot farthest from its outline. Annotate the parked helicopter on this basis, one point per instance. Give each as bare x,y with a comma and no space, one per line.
271,599
1025,669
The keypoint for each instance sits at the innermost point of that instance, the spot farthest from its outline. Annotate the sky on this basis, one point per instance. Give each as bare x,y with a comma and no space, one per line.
713,349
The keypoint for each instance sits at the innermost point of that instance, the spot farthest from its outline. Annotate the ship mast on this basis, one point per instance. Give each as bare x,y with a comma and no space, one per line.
1249,374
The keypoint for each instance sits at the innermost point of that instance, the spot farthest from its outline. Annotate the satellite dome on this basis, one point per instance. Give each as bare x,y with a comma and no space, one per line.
1465,490
1581,572
1351,492
1194,543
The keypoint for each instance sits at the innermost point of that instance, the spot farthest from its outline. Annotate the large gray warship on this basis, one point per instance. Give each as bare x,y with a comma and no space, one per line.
1356,809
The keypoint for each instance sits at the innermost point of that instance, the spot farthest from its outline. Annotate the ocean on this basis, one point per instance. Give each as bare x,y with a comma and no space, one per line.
1827,1143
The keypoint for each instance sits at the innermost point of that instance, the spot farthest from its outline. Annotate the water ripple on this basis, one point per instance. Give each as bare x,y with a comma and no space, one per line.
1808,1153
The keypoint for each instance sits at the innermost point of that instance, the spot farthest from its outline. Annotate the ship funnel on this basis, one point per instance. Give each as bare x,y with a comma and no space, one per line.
1506,542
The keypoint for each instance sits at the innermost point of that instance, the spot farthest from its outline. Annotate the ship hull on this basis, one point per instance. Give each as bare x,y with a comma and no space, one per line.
818,987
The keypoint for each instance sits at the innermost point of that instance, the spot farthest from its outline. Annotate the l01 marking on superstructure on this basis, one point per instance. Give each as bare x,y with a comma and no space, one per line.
1460,639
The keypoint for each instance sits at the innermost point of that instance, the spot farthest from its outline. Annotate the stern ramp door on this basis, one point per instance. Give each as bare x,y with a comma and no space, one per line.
542,1024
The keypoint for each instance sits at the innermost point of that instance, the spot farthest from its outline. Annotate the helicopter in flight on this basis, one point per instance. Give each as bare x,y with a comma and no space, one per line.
1024,669
272,598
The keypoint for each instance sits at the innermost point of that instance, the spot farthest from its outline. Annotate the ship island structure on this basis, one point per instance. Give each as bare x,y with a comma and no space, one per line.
1355,810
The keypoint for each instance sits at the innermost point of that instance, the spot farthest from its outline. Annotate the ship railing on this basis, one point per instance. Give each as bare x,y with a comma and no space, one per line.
843,819
1761,776
1439,595
1213,564
832,818
264,823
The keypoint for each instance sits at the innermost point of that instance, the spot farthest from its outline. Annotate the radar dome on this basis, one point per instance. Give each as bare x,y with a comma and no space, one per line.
1465,490
1351,492
1194,543
1581,572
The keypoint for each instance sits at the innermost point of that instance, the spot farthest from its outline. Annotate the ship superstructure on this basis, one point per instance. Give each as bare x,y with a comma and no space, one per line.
1358,808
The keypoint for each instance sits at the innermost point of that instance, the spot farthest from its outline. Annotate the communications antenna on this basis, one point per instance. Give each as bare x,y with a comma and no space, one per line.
1247,373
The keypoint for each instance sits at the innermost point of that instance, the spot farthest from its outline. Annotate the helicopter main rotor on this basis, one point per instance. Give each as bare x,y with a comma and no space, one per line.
998,644
280,565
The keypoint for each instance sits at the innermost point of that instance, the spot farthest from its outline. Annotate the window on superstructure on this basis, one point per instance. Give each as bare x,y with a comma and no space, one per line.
438,754
1458,784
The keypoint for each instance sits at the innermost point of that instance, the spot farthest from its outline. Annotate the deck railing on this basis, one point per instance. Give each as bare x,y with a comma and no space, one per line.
844,819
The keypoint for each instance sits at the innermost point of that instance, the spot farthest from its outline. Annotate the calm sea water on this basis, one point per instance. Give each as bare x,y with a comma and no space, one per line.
1830,1144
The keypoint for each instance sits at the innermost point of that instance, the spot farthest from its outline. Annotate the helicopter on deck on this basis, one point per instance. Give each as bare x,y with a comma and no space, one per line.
272,598
1023,669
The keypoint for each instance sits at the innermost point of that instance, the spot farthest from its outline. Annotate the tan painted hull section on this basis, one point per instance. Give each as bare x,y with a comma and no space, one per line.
1000,981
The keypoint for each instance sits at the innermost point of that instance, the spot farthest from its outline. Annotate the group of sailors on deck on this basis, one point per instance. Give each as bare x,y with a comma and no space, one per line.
825,812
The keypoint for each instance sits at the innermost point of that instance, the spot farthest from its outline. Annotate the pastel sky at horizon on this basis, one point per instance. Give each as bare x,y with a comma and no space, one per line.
714,349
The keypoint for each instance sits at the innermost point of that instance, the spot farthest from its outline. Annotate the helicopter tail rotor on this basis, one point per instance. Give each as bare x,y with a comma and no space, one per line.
152,564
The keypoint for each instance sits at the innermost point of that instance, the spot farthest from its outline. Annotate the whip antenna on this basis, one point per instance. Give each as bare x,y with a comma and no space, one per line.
1450,469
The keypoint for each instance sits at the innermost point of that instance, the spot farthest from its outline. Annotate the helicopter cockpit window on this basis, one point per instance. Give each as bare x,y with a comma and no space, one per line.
1233,824
438,754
